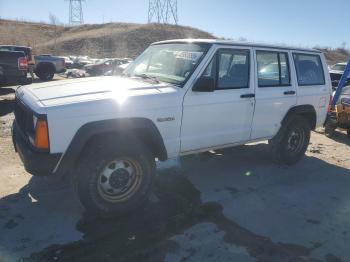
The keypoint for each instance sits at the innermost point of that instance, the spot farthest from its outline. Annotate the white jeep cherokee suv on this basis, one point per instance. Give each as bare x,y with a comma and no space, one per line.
178,98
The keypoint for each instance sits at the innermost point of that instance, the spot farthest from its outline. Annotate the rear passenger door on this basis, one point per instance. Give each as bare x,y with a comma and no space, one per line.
314,86
275,91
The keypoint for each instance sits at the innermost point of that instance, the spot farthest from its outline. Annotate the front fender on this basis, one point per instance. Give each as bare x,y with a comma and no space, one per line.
141,127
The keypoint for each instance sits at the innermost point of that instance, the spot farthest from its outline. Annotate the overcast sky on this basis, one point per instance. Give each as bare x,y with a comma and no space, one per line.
296,22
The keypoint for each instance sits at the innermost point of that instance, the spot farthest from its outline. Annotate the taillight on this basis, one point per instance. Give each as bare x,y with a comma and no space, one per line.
330,104
22,63
41,140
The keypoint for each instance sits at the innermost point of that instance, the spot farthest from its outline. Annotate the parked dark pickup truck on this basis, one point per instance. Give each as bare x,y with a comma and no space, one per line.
26,50
46,66
13,68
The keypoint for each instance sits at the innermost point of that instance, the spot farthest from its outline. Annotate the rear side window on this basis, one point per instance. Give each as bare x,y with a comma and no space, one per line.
273,69
309,69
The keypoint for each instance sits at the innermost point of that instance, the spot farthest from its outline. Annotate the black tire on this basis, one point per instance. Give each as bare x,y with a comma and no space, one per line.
2,76
329,130
291,142
348,132
99,156
45,72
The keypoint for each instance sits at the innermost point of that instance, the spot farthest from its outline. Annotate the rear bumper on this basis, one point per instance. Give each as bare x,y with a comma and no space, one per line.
35,163
20,78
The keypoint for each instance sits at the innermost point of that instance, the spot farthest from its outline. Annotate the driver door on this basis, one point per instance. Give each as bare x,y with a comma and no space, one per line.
223,117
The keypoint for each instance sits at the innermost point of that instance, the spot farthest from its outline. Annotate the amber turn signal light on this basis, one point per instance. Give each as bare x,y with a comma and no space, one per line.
41,135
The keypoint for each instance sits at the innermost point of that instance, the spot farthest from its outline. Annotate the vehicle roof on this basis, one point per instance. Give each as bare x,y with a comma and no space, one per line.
16,46
12,52
237,43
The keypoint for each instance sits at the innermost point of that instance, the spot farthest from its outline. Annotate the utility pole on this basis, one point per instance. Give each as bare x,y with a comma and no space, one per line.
163,11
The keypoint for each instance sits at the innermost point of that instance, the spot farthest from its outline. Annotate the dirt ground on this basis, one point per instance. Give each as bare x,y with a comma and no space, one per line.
229,205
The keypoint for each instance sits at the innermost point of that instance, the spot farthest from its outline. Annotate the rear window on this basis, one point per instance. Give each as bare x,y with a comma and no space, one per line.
309,69
273,69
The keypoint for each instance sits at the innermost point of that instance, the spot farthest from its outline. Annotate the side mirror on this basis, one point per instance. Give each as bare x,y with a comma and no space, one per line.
204,84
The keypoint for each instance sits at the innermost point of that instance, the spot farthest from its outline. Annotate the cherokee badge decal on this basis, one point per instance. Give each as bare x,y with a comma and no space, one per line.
165,119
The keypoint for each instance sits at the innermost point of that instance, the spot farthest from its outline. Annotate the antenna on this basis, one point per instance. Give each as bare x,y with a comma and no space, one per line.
163,11
76,16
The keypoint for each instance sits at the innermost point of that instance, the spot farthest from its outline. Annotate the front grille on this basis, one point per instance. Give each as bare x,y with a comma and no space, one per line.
24,118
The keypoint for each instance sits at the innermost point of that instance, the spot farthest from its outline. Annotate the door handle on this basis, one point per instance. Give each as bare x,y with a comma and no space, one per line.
289,93
248,96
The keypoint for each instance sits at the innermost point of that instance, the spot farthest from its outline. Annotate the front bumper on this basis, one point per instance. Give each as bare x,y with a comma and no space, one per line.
35,162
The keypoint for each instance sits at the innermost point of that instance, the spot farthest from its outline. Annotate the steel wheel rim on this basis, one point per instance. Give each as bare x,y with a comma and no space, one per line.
119,180
296,141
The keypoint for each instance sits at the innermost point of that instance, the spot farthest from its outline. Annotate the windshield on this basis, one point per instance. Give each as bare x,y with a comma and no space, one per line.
339,67
171,63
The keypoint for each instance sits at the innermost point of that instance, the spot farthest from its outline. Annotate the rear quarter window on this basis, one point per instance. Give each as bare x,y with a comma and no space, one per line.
309,69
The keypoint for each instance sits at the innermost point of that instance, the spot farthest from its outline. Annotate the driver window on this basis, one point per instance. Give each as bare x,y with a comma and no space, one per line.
233,69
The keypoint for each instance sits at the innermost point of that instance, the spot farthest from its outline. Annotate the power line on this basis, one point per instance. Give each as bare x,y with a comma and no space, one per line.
163,11
76,16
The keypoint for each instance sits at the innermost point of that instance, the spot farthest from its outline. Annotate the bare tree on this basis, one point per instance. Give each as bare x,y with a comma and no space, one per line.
54,21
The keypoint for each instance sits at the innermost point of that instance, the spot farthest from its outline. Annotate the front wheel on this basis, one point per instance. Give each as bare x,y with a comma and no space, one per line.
291,143
115,178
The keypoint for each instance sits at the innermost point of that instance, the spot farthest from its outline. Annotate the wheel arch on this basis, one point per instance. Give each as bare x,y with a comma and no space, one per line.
142,128
306,111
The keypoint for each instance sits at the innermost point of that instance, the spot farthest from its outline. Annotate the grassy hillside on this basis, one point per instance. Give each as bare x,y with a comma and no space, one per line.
336,55
103,40
107,40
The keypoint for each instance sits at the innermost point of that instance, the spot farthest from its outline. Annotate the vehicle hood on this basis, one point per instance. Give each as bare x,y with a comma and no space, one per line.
337,72
89,66
96,88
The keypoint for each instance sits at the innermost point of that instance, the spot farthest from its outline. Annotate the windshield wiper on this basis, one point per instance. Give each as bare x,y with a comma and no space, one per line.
145,76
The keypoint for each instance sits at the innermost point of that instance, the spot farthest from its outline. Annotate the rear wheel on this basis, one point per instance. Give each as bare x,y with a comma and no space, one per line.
115,178
290,144
2,76
329,131
348,132
45,72
331,125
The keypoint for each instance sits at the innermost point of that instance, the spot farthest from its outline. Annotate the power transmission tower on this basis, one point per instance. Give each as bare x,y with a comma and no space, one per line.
76,16
163,11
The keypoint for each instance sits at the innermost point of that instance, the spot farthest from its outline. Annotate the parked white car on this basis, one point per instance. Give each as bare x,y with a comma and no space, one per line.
336,71
178,98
